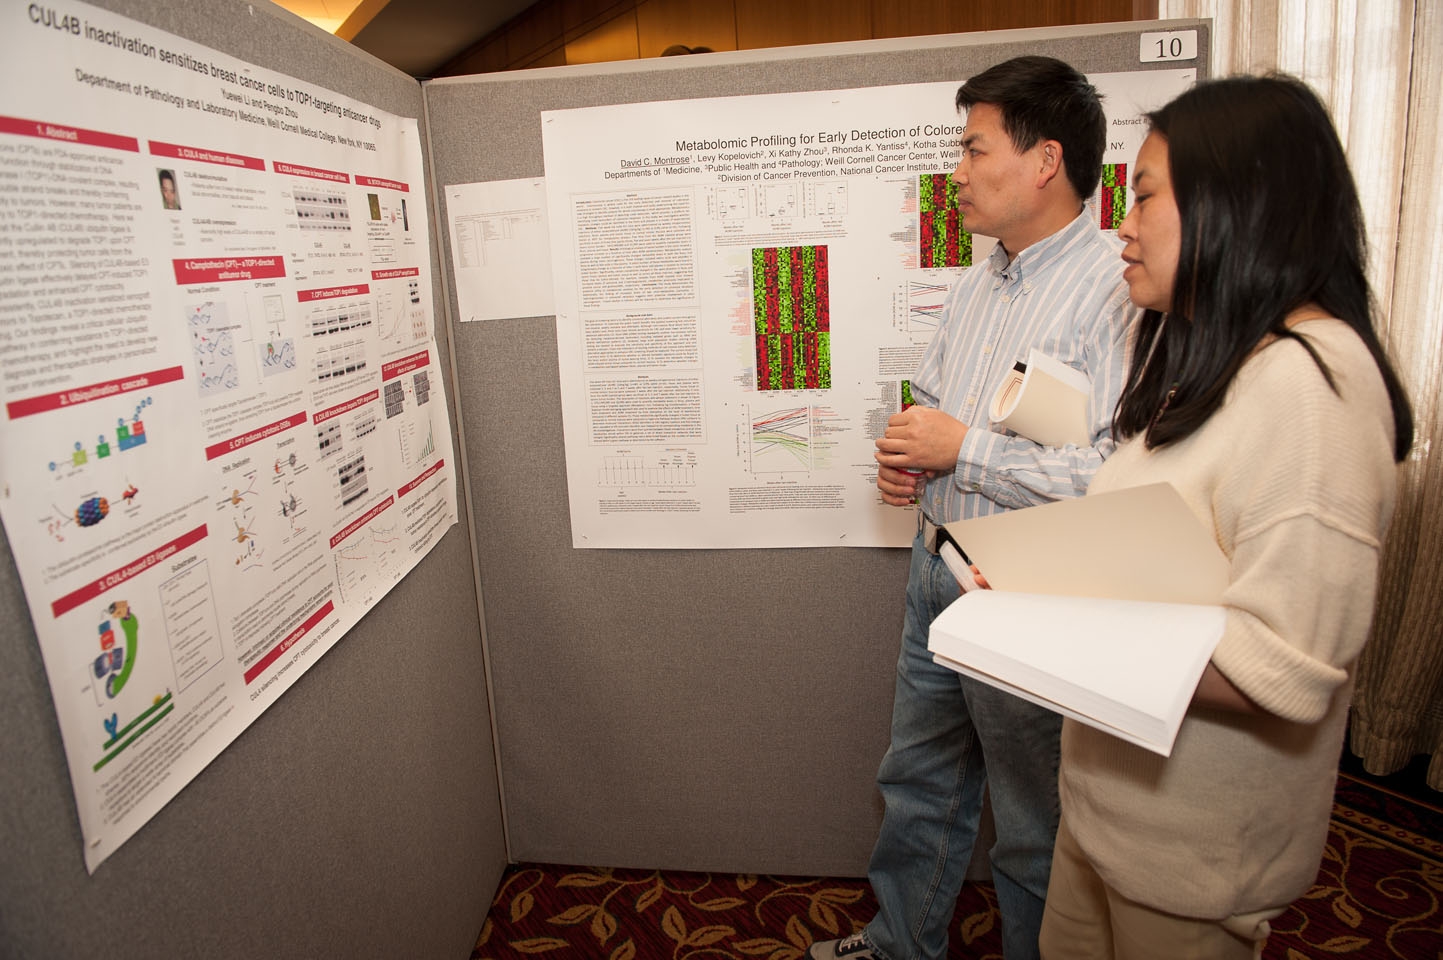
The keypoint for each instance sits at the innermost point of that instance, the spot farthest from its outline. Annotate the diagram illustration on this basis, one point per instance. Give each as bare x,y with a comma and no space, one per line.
213,346
240,504
92,507
129,434
791,317
942,242
1112,196
278,353
289,505
116,661
88,513
111,673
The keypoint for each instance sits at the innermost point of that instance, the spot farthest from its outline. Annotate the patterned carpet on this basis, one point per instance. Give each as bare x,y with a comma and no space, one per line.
1377,895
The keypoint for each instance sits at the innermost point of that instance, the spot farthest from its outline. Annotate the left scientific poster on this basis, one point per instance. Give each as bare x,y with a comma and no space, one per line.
223,432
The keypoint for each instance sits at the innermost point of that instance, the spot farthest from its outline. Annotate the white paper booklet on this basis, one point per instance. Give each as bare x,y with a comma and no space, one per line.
1105,609
1128,667
1046,402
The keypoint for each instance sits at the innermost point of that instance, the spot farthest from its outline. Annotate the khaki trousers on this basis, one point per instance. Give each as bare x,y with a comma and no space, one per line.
1084,919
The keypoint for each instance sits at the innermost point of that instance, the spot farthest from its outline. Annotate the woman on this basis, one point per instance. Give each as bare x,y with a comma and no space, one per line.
1260,391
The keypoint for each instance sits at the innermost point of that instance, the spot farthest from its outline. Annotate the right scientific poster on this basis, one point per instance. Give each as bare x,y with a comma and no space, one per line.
744,286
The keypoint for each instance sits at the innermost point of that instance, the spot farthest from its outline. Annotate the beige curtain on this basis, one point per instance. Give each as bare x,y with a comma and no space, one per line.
1379,66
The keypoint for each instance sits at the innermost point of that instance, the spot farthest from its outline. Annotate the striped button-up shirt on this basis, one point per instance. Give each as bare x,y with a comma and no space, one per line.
1064,296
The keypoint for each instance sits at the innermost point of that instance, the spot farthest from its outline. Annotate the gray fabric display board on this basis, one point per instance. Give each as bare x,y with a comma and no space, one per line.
707,710
717,710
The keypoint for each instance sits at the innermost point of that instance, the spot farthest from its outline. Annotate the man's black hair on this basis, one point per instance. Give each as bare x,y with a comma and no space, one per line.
1042,98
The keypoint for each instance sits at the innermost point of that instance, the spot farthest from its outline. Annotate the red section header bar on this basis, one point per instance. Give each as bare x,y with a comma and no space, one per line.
119,575
96,391
55,131
330,293
315,173
410,485
360,522
340,408
384,184
290,641
250,437
395,272
189,272
405,365
202,155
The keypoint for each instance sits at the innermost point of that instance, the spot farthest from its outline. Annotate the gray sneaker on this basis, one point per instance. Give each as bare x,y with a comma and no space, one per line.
847,948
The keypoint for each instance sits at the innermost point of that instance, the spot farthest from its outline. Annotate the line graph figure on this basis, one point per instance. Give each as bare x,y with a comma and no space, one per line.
416,449
924,307
212,343
391,317
781,441
368,564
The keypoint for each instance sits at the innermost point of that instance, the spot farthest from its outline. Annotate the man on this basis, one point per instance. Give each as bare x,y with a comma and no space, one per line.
1031,154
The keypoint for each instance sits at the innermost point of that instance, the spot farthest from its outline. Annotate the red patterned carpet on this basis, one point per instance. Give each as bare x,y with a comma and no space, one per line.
1377,895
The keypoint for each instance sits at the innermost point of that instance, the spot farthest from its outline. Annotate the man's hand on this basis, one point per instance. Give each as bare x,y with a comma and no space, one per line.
922,438
918,438
897,487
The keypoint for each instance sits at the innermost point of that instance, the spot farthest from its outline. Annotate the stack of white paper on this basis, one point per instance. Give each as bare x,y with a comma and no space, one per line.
1125,666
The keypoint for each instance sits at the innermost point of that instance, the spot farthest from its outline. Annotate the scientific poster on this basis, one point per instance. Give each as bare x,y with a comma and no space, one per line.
223,434
744,286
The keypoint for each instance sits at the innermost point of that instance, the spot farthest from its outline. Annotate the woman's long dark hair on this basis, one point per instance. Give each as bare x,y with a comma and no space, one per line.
1270,221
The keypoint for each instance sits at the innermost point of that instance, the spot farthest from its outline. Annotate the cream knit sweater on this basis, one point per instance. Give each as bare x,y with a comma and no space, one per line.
1297,484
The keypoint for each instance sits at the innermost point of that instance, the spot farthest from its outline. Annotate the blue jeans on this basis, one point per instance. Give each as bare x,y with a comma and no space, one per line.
932,779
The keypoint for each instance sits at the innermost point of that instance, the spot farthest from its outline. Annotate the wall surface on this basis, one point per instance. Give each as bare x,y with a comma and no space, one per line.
359,816
688,709
553,33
